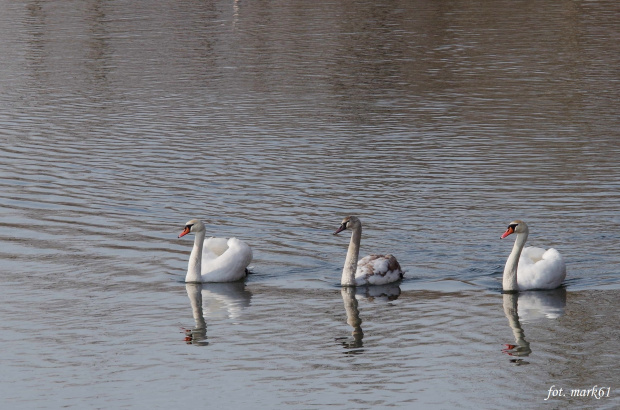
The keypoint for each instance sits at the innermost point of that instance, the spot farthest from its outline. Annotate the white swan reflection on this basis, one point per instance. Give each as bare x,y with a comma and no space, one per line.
545,304
530,307
350,297
214,301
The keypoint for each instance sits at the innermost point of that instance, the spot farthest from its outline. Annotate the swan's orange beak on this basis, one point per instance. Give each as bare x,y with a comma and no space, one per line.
185,231
342,228
508,232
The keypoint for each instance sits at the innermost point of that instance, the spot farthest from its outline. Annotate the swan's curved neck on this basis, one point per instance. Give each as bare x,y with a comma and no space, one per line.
350,263
195,259
510,270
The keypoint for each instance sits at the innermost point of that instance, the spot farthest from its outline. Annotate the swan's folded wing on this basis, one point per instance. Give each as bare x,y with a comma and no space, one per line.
378,270
533,253
214,247
230,265
554,264
548,272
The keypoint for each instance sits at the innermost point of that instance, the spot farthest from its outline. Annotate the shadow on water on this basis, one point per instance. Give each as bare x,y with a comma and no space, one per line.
209,300
529,307
350,296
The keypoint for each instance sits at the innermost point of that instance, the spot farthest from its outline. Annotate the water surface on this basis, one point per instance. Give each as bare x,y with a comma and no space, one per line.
437,123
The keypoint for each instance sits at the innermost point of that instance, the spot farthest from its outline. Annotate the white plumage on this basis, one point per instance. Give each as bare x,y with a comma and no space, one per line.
532,267
540,269
215,259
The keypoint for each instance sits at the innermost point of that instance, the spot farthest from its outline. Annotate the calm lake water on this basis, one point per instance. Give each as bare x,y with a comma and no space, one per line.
437,123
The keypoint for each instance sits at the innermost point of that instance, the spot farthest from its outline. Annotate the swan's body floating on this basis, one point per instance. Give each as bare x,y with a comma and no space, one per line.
216,259
370,270
531,268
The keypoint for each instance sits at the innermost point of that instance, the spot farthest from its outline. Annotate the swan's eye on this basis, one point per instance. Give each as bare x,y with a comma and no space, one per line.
189,226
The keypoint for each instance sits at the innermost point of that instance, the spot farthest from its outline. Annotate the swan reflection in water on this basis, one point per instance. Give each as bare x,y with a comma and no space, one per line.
350,296
214,300
530,307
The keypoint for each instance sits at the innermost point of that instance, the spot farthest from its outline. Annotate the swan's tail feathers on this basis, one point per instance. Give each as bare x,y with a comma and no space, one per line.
393,265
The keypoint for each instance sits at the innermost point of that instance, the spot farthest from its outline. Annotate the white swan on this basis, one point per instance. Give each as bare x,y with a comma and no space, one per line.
370,270
531,268
216,259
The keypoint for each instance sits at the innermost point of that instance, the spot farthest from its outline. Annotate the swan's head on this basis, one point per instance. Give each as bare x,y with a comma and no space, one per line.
350,222
195,225
515,227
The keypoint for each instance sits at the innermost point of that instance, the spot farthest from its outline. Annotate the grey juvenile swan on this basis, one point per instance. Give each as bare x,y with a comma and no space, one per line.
370,270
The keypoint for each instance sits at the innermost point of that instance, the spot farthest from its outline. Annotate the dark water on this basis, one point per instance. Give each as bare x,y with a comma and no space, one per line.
437,123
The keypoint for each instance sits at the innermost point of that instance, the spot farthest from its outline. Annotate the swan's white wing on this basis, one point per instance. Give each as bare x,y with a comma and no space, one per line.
214,247
230,265
377,270
532,254
540,269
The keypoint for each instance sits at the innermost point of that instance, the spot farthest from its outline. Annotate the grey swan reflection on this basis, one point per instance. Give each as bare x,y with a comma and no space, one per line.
530,307
213,301
350,297
198,334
